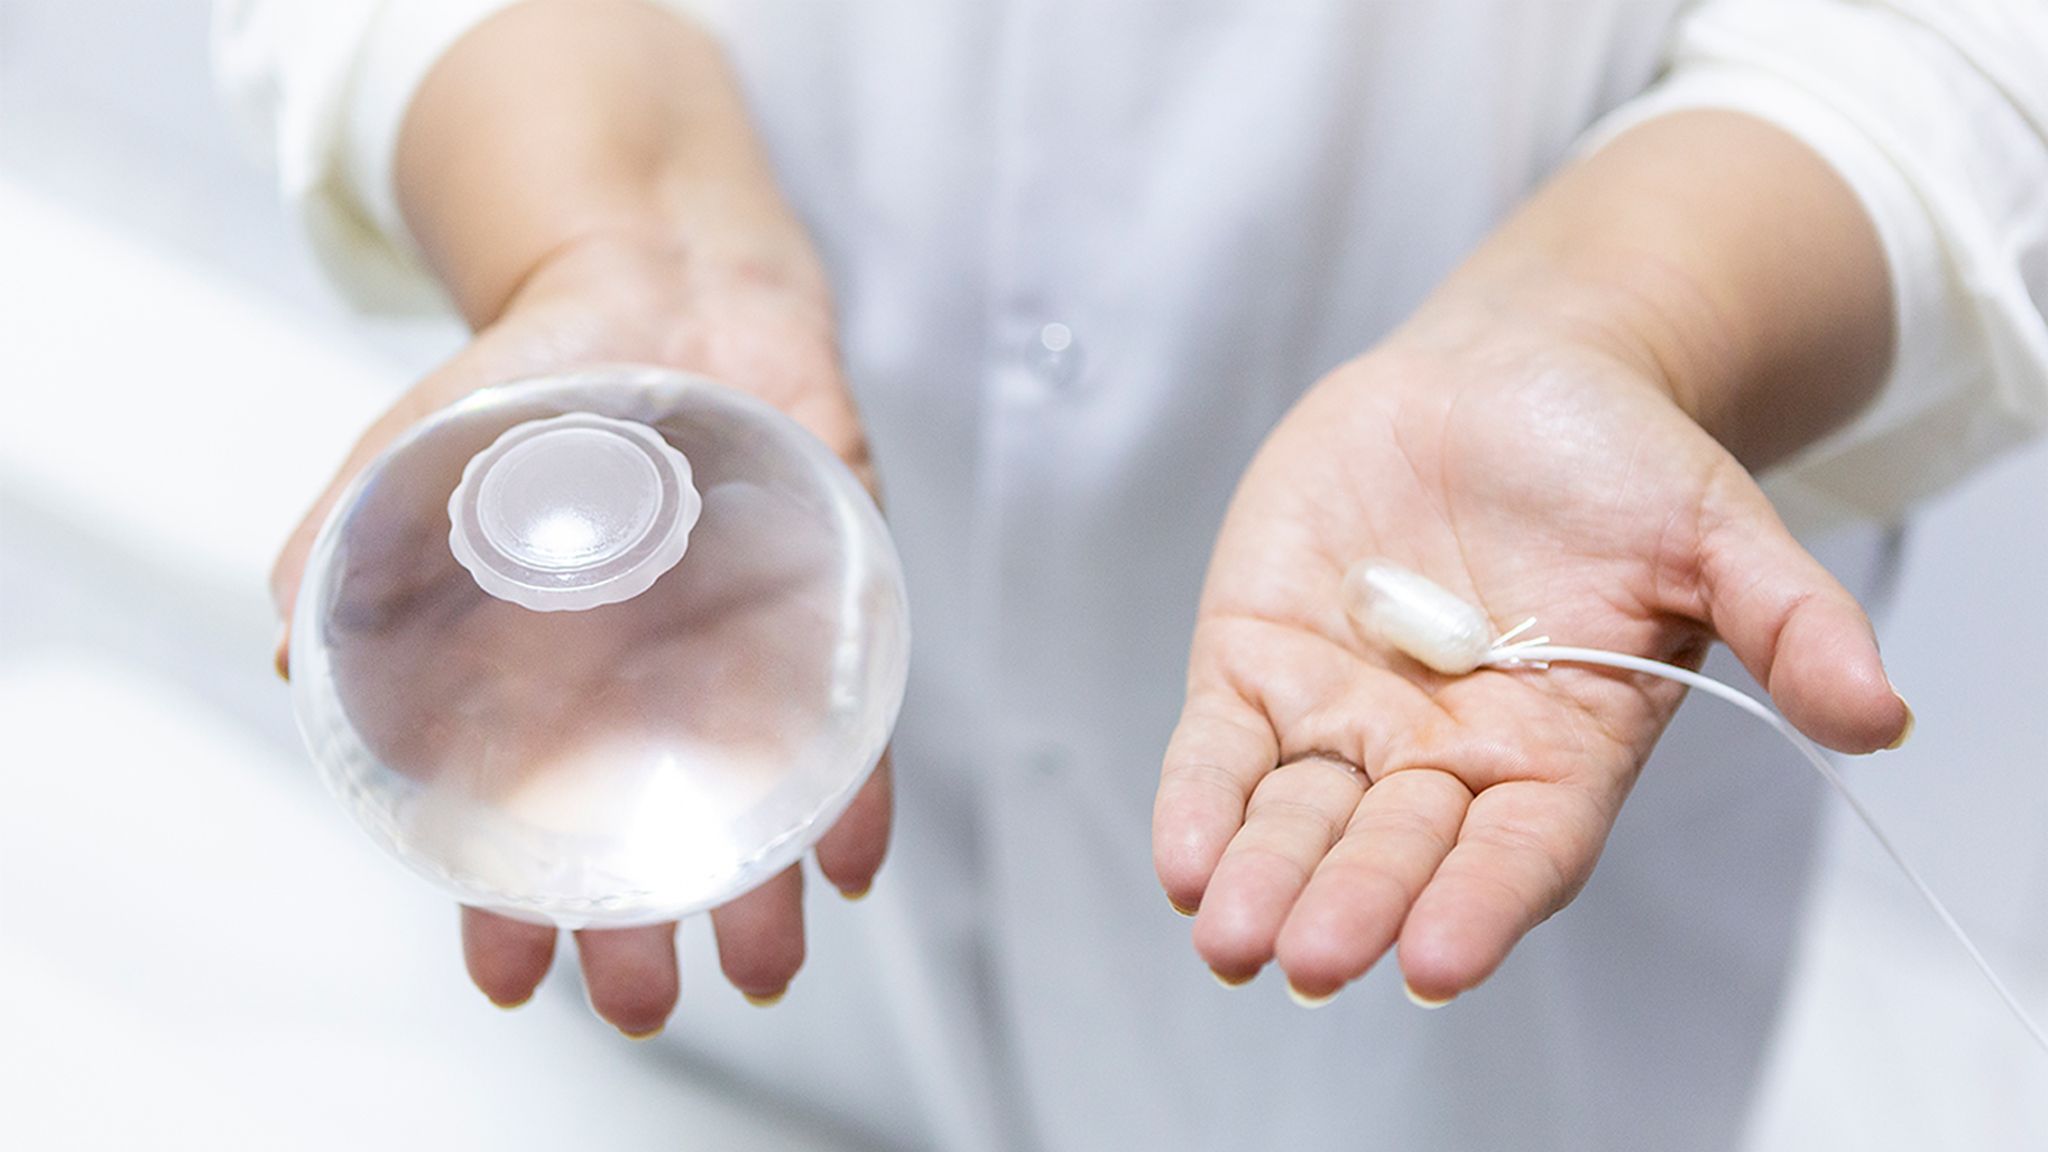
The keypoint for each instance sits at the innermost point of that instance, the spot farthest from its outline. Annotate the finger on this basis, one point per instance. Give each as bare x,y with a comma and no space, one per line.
630,974
1352,910
851,851
285,575
1294,816
1796,629
1217,755
814,394
506,958
290,567
1524,850
761,937
464,373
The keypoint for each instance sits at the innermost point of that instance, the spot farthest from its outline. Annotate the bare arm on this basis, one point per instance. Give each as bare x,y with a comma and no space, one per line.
1556,434
559,121
582,177
1721,256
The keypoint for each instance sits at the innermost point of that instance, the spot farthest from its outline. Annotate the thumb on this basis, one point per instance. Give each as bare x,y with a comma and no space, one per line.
477,364
290,566
1797,630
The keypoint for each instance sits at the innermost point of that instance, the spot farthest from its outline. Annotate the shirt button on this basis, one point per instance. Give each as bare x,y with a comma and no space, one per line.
1054,355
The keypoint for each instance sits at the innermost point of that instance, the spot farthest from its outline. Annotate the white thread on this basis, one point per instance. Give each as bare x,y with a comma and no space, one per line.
1538,653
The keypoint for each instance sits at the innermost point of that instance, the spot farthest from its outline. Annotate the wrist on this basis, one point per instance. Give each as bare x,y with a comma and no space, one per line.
1714,255
627,259
555,127
1661,328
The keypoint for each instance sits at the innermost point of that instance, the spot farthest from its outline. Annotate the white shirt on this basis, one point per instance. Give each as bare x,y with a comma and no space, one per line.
1086,255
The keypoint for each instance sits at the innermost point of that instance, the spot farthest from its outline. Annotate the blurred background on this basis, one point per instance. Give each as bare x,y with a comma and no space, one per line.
198,950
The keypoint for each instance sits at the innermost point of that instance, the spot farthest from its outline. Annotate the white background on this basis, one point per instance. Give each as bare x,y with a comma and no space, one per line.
197,951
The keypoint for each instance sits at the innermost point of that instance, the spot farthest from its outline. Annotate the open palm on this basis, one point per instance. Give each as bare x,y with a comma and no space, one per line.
627,302
1325,797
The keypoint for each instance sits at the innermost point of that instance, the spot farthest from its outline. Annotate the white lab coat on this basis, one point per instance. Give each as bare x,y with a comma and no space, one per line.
1086,255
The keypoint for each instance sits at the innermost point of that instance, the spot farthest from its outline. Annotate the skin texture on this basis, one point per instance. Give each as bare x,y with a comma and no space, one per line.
609,299
1546,436
1537,440
651,234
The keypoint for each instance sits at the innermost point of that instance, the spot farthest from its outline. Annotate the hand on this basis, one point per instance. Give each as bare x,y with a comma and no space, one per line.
616,298
1324,798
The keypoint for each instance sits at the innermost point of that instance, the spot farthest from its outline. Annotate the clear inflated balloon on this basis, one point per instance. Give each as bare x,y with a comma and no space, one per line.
601,649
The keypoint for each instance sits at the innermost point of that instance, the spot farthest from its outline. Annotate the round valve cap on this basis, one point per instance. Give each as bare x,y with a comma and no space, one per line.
573,512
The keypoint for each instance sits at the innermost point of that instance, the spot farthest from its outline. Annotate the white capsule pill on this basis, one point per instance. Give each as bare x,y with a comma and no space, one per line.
1416,616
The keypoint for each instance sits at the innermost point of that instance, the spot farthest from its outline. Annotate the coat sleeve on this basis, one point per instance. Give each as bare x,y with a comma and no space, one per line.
1935,112
320,88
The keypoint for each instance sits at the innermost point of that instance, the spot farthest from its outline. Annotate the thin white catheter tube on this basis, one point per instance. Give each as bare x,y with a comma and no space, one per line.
1511,656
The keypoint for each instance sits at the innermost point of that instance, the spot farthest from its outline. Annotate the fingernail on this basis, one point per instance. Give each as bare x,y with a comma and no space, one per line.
1421,1001
1306,1000
768,1001
280,656
509,1005
1228,982
1178,908
855,895
1905,733
650,1034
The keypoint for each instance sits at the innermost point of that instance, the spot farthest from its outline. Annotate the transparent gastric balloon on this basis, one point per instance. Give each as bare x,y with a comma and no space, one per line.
601,649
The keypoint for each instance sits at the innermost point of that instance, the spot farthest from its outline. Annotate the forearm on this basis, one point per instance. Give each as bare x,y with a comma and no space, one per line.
560,121
1715,253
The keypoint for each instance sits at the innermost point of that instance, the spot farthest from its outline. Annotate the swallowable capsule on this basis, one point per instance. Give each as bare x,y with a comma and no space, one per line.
1418,617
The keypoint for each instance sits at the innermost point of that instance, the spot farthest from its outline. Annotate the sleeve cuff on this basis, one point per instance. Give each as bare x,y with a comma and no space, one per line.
1807,493
405,40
